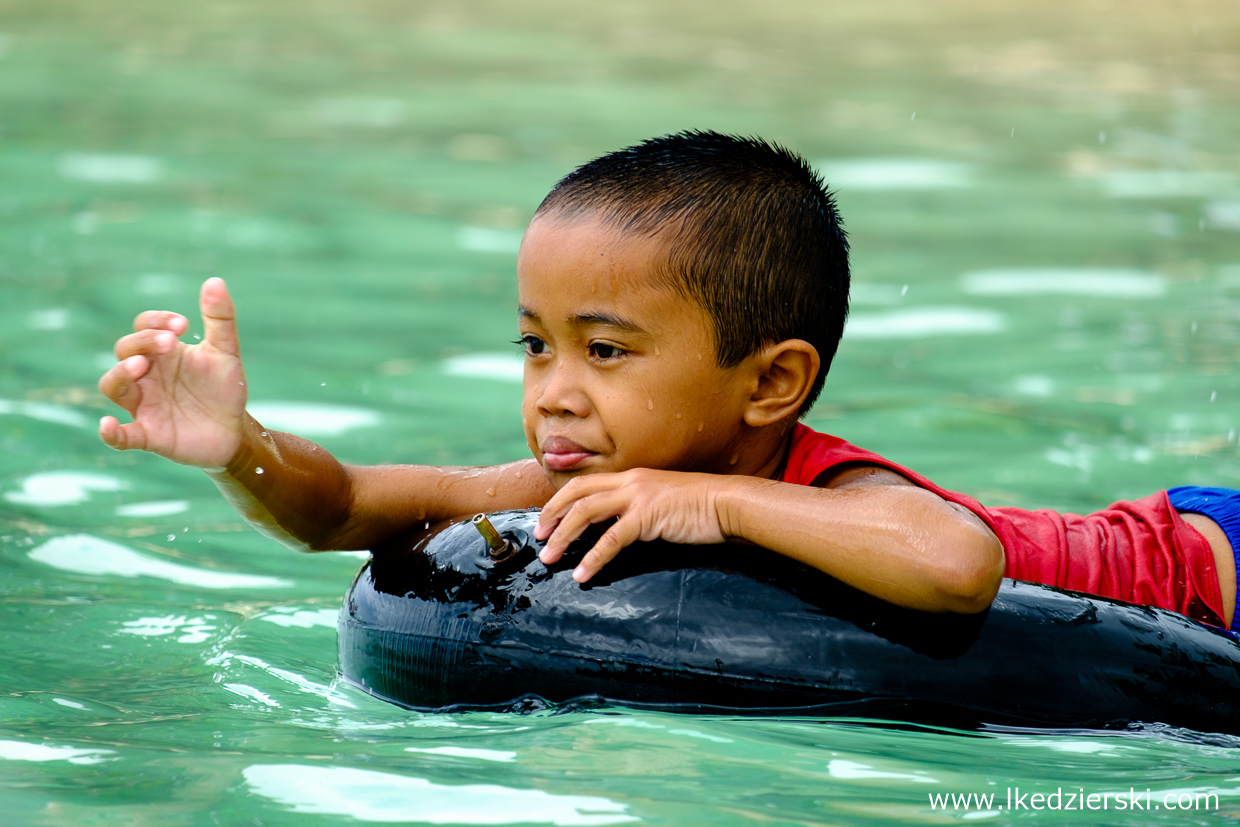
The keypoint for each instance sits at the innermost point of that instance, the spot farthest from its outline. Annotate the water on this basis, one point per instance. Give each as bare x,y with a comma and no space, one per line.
361,176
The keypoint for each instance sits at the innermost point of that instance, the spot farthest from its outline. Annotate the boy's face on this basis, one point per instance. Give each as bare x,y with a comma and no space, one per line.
620,371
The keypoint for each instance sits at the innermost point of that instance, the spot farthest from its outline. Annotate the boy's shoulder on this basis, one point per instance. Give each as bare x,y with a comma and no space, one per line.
812,454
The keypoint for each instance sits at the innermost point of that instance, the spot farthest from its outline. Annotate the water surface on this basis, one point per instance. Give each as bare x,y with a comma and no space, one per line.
1044,203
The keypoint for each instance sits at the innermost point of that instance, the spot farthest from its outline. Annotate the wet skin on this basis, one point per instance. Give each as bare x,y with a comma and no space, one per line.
1224,558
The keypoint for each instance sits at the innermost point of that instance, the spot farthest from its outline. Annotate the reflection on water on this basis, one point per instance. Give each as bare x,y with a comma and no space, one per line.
110,169
1082,281
919,322
84,554
22,751
506,367
1043,206
858,174
312,420
57,488
365,795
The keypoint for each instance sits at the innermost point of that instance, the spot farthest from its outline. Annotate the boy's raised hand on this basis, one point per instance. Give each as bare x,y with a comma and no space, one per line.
671,505
187,401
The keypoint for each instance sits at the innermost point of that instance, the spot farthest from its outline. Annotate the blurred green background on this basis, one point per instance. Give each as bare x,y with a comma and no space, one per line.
361,173
1044,206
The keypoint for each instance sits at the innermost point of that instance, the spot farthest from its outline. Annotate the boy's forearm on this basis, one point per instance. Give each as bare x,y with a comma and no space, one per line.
900,543
297,493
286,487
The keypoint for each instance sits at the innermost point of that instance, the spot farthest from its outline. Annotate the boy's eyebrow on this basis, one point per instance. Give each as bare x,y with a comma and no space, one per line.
584,319
609,319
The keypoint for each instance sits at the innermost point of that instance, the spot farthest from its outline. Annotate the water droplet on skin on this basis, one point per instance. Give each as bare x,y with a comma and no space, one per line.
734,459
678,416
656,351
258,470
650,404
518,475
701,425
196,336
699,357
427,524
263,434
490,492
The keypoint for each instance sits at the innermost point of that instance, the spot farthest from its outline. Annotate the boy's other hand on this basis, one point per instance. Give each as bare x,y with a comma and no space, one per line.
187,401
650,505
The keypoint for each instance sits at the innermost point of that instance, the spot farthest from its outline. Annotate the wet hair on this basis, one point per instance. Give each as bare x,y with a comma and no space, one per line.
753,235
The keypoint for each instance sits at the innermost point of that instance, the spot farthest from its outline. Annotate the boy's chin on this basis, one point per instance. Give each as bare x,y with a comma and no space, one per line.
559,479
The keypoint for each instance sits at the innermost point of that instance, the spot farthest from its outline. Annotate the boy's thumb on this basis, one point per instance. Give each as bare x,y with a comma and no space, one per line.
219,317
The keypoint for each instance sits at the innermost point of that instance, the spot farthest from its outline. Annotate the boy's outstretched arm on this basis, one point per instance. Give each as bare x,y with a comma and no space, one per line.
869,527
188,405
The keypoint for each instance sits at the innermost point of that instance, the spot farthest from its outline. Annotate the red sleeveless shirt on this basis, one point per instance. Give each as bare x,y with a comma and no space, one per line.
1141,551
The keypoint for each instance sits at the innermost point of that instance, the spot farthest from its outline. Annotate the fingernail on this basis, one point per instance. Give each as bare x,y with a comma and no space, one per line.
164,340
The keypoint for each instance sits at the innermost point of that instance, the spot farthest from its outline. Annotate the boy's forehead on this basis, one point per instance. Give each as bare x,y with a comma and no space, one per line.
556,247
588,273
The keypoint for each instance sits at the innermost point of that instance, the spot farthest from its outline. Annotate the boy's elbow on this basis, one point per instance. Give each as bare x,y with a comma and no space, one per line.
969,585
973,591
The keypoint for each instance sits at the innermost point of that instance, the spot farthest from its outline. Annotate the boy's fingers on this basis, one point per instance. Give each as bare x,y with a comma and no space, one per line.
120,383
121,437
161,320
583,513
108,426
151,342
219,317
566,499
605,550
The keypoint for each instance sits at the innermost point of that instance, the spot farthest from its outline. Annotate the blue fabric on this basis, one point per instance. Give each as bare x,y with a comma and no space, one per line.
1222,505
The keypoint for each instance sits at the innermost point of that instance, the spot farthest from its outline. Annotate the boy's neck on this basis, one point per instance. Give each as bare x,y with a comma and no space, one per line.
764,453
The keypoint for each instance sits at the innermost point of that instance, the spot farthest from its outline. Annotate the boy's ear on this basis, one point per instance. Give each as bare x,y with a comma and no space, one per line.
785,372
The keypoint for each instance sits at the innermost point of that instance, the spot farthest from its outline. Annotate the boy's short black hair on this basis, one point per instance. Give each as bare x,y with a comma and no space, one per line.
754,235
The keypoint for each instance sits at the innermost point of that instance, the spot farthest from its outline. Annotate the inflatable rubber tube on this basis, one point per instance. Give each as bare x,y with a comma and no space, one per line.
437,624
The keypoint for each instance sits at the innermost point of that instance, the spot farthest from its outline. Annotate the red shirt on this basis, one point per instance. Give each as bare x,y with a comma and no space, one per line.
1141,551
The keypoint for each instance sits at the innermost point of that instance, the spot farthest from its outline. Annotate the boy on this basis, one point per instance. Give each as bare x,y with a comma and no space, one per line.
680,304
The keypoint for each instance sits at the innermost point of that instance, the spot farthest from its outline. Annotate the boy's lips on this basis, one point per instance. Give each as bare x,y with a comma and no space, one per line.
562,454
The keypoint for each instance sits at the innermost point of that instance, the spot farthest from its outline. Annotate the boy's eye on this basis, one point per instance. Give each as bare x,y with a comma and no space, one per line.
600,350
532,344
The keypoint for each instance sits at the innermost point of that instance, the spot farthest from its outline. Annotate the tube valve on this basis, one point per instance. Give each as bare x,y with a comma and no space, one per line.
499,548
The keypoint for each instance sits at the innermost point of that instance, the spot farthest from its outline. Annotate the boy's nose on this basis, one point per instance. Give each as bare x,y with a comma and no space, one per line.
560,393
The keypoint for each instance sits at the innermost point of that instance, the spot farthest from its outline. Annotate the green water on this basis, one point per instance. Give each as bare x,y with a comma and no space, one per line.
360,174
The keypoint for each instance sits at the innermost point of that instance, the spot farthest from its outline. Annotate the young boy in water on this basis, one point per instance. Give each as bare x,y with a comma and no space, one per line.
680,303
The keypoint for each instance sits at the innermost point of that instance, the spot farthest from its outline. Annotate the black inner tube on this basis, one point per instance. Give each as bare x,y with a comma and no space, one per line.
433,623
